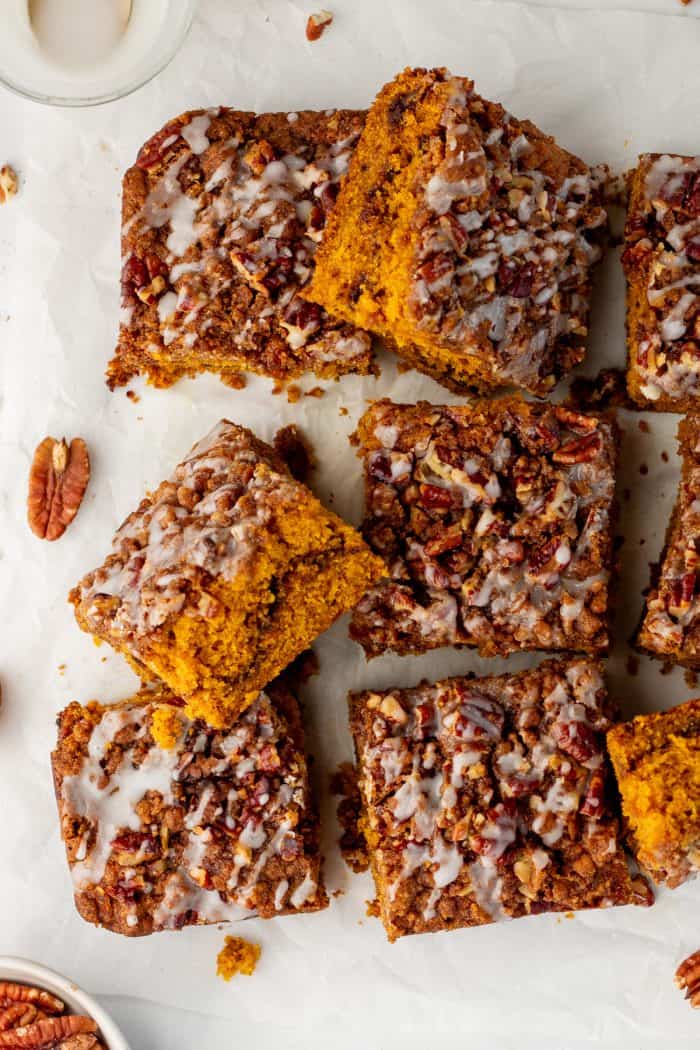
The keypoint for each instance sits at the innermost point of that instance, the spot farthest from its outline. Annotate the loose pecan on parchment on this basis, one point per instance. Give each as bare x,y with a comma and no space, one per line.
57,481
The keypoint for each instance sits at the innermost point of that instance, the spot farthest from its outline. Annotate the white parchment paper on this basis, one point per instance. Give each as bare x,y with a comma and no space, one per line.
609,80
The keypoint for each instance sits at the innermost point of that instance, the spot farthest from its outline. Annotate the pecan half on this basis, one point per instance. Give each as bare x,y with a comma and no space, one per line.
688,978
47,1032
57,481
18,1014
317,24
12,992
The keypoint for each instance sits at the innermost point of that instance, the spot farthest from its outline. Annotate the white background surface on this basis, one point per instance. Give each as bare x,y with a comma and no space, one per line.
609,79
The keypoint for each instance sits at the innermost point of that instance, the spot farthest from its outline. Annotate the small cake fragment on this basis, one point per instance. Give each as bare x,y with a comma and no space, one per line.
662,264
656,758
464,236
670,628
222,214
495,520
223,575
237,956
489,798
217,827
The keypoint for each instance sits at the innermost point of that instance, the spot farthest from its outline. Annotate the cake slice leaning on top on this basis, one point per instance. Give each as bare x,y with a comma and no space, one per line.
169,823
465,236
223,575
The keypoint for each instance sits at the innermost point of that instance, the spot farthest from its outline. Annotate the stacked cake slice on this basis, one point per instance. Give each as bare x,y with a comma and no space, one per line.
278,243
479,235
191,803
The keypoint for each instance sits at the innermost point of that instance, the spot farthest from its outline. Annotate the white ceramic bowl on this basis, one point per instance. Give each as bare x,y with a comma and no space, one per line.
154,34
12,968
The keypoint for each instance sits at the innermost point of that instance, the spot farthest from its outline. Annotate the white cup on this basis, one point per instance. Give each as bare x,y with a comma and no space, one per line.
51,52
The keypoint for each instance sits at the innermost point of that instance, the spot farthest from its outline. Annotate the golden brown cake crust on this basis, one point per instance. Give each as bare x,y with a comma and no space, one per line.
489,798
479,234
662,265
656,758
222,212
496,522
224,574
219,826
670,628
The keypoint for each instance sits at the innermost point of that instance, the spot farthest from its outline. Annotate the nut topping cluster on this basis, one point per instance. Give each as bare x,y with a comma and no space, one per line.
222,215
510,228
487,798
672,612
662,256
218,826
495,522
207,518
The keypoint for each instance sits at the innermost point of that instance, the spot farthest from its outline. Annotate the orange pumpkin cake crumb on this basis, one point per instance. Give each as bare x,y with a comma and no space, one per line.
237,956
166,726
656,758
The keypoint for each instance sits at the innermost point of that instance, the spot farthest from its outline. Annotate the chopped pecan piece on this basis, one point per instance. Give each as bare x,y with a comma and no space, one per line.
159,145
9,183
579,450
317,24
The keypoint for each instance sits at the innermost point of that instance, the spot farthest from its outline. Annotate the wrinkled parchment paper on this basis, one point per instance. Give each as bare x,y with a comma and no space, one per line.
609,79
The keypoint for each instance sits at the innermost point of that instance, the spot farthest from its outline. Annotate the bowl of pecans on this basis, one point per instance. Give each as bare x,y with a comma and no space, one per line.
41,1010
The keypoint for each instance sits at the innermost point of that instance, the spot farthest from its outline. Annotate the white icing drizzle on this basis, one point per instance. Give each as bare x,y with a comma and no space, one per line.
163,545
529,281
452,750
503,588
304,892
108,803
195,133
668,358
113,810
261,224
